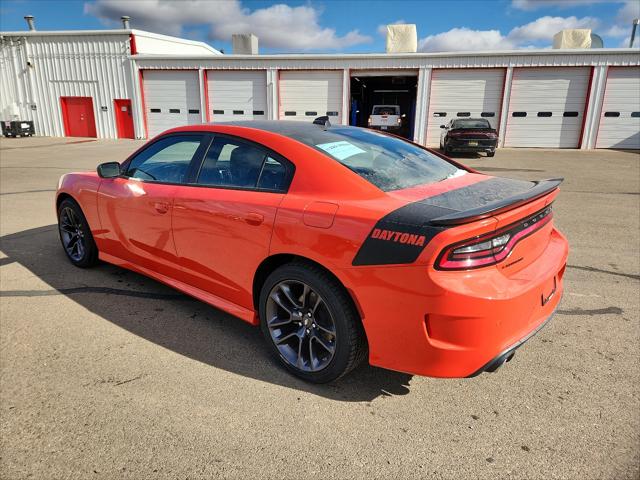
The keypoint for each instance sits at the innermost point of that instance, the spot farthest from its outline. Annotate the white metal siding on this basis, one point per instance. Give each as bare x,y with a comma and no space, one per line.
93,66
621,96
174,94
240,95
453,92
537,91
305,92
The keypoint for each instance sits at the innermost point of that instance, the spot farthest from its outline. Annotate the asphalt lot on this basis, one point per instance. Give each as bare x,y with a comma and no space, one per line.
105,374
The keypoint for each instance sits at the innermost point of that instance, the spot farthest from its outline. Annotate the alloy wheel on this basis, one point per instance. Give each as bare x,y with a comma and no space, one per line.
72,233
301,325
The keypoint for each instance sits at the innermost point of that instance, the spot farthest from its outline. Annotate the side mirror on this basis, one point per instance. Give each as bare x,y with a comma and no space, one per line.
109,170
443,126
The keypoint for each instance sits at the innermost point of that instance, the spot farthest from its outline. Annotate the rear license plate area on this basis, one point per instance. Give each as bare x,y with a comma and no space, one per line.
473,144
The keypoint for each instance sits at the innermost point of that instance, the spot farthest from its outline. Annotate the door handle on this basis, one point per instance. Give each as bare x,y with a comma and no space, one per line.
161,207
254,218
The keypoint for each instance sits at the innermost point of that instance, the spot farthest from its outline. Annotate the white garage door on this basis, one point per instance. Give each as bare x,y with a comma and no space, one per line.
237,95
546,107
620,117
305,95
172,99
463,93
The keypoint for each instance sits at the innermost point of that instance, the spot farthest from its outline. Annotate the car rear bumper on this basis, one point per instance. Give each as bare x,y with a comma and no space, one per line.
386,128
483,145
454,324
508,354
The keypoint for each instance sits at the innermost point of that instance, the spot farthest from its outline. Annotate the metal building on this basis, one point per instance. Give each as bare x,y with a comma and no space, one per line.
129,83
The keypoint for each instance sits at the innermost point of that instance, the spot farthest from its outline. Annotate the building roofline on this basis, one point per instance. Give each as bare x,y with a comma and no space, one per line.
330,56
140,33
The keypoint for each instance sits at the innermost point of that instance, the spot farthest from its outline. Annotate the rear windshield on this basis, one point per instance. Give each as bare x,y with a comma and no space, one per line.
387,162
480,123
386,110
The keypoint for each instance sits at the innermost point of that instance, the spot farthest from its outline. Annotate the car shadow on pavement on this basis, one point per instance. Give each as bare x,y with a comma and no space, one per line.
175,321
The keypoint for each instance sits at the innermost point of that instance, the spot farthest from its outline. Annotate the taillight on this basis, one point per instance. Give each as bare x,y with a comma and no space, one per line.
369,120
491,248
399,121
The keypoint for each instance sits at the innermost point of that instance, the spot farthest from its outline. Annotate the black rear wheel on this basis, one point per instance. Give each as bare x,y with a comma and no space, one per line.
310,323
491,154
75,235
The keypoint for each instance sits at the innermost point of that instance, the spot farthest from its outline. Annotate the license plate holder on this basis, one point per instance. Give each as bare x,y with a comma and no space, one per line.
473,144
383,127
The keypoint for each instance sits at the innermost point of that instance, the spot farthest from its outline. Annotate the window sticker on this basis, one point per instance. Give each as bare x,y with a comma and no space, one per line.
340,150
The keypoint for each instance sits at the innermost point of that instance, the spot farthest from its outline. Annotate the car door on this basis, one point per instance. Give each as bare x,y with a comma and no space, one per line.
135,208
223,221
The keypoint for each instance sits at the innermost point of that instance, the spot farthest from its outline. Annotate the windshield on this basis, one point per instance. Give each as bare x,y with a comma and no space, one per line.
479,123
386,110
387,162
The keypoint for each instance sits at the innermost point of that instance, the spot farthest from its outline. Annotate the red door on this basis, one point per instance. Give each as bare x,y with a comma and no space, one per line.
124,119
78,117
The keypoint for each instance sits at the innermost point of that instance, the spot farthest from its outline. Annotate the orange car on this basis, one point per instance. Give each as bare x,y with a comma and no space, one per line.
340,242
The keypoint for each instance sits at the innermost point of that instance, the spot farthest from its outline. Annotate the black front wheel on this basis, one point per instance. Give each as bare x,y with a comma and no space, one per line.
310,323
75,235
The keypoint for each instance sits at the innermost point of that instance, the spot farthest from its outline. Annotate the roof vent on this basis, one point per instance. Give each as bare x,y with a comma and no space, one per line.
573,38
244,44
402,38
125,22
30,22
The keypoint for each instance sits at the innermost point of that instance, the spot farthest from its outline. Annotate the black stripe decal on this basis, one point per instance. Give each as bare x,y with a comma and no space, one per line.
401,236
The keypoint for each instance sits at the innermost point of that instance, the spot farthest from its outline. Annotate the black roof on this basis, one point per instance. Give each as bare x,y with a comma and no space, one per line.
286,127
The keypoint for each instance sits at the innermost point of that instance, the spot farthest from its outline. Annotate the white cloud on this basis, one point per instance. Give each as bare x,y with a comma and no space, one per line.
535,4
617,31
541,30
629,11
277,26
461,39
544,28
382,29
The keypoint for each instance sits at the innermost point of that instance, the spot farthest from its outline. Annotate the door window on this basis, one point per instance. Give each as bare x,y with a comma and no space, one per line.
233,163
166,160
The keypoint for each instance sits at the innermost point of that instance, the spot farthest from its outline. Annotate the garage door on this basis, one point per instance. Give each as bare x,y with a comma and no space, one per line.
172,99
305,95
237,95
620,117
546,107
463,93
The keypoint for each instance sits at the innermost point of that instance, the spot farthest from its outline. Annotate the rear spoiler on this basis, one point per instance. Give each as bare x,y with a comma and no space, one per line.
540,189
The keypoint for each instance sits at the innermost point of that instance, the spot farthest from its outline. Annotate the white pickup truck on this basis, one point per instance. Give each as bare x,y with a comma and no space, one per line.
385,117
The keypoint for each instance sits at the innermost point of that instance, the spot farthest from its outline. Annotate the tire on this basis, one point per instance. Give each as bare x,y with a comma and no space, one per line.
447,151
331,331
72,224
491,154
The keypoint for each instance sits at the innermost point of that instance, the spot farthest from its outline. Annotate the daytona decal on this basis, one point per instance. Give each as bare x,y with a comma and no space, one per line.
401,236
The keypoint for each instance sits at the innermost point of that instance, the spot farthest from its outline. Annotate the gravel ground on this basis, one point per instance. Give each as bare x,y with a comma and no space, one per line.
107,374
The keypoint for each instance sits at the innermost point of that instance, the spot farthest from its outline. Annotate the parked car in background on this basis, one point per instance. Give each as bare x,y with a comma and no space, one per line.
468,135
341,243
385,117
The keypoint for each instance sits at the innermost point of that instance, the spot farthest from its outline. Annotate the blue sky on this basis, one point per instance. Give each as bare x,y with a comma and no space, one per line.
340,25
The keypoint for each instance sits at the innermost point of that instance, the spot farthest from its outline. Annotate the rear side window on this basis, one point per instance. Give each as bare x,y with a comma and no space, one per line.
166,160
387,162
237,164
